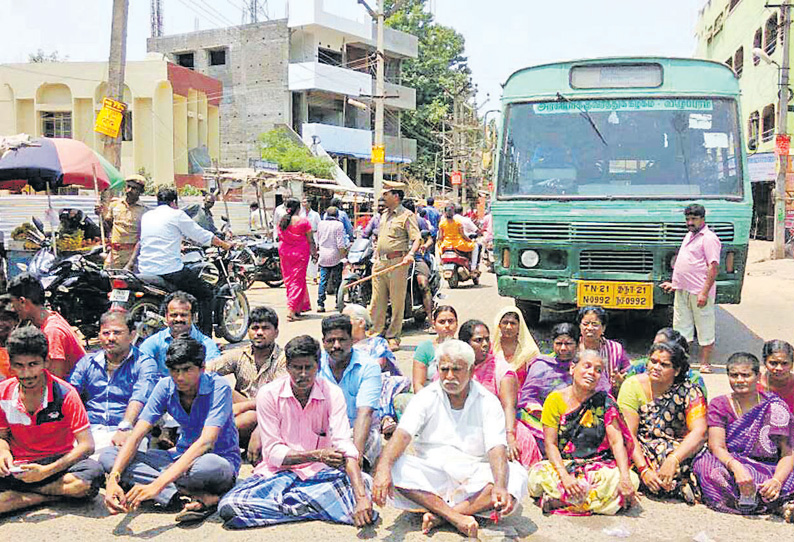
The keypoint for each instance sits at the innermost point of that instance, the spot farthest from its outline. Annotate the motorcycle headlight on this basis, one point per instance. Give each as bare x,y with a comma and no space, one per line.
529,258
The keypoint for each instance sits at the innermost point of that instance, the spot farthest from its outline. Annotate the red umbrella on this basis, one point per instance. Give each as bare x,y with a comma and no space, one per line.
53,162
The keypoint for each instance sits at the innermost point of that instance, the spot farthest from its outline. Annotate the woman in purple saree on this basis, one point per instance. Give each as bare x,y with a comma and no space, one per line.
748,468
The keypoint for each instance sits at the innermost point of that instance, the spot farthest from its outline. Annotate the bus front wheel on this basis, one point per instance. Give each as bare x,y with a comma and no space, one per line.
530,311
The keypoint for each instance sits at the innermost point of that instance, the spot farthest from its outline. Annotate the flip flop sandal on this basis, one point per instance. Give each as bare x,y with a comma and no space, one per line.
198,514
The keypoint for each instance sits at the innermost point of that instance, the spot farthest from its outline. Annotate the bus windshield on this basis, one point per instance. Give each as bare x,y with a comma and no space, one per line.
622,148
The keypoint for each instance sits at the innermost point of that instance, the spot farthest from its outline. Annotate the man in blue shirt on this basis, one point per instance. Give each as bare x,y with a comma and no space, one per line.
359,377
342,215
180,309
433,214
114,382
206,461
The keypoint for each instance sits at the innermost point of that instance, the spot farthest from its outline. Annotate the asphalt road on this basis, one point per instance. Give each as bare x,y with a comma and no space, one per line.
762,315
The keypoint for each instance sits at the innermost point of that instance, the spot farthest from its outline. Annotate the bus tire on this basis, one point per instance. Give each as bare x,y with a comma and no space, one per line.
530,311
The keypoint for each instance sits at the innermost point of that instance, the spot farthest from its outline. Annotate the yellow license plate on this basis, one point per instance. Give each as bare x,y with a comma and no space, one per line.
615,295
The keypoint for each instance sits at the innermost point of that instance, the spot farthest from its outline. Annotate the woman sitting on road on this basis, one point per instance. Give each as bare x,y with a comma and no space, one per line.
778,359
748,468
667,417
592,323
425,366
668,334
546,375
513,342
377,348
588,446
499,379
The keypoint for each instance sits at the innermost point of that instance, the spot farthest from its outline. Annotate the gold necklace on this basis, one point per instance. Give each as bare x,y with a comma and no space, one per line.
738,407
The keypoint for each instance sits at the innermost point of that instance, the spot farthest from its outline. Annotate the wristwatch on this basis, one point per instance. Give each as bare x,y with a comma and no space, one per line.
124,426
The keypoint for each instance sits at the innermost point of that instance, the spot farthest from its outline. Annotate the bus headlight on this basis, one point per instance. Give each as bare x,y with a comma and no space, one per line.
529,258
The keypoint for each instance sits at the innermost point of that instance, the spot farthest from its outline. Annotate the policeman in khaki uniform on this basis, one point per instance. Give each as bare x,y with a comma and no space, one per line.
398,240
123,217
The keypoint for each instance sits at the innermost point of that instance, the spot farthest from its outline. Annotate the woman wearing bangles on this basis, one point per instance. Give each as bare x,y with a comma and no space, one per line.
667,417
748,468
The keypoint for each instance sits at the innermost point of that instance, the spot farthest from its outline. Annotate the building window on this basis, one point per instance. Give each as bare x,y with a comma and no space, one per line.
753,127
768,123
758,42
126,126
185,60
738,61
329,56
770,35
217,57
56,124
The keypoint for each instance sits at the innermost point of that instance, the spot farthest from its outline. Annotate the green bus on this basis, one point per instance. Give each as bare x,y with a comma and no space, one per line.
596,161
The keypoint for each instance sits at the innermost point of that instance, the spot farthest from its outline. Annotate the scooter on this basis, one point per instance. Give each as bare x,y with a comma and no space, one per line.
456,268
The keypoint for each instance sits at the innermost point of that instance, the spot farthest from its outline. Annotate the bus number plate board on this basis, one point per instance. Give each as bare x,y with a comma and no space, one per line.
615,295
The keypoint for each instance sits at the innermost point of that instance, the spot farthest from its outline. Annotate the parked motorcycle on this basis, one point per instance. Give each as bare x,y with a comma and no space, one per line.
77,286
143,295
456,266
259,260
359,258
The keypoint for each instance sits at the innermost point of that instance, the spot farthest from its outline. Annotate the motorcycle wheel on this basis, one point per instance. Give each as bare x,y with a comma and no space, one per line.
453,280
275,283
245,259
144,327
232,315
275,269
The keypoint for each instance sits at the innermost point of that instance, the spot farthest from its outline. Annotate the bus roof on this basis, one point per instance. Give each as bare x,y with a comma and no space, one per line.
680,76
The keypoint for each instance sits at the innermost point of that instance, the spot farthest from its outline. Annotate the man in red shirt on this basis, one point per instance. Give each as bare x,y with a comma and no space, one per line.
45,436
27,296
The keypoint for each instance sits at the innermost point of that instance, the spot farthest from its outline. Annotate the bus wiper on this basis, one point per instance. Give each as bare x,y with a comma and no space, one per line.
586,115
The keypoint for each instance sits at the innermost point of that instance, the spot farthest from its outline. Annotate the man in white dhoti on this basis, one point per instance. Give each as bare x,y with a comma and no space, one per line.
460,468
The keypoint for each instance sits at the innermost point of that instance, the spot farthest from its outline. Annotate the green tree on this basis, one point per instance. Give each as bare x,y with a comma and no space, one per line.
39,57
439,72
277,146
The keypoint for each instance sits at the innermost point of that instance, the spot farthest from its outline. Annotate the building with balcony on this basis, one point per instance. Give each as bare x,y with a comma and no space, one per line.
728,31
172,112
314,72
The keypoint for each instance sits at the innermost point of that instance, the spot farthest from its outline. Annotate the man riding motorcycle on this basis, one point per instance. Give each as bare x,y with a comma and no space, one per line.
422,262
451,236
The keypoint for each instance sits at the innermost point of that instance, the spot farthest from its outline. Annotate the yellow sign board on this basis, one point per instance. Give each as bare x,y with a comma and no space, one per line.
108,121
378,154
615,295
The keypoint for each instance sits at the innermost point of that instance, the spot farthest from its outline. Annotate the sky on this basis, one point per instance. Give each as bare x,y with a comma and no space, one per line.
501,35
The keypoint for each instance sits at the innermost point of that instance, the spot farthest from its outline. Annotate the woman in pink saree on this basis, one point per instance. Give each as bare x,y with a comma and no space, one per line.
296,247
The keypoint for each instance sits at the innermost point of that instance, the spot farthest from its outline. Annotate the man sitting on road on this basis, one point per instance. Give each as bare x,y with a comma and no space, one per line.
114,382
359,377
43,455
180,310
452,236
310,469
460,468
65,349
206,461
162,231
252,367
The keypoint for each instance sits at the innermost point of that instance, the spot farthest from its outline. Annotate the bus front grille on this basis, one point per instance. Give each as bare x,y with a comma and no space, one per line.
609,232
615,261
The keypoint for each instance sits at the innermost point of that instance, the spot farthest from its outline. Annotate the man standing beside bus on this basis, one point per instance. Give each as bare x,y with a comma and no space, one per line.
694,283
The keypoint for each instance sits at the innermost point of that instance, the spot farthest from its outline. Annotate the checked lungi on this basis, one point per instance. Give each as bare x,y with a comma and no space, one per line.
282,498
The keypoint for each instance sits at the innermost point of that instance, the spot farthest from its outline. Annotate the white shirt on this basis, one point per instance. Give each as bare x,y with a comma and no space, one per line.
278,214
469,227
162,230
443,436
313,217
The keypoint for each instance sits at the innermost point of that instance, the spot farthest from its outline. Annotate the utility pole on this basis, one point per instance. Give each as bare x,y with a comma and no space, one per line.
782,129
456,144
116,63
380,101
157,18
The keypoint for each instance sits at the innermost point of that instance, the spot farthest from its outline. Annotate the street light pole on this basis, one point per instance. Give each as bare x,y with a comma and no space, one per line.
782,129
380,105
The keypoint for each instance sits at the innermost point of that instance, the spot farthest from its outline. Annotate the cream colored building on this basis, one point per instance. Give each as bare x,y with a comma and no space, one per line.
172,111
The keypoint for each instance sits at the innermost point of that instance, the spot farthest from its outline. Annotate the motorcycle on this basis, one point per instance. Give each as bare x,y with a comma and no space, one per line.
259,260
360,266
456,267
77,286
143,295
